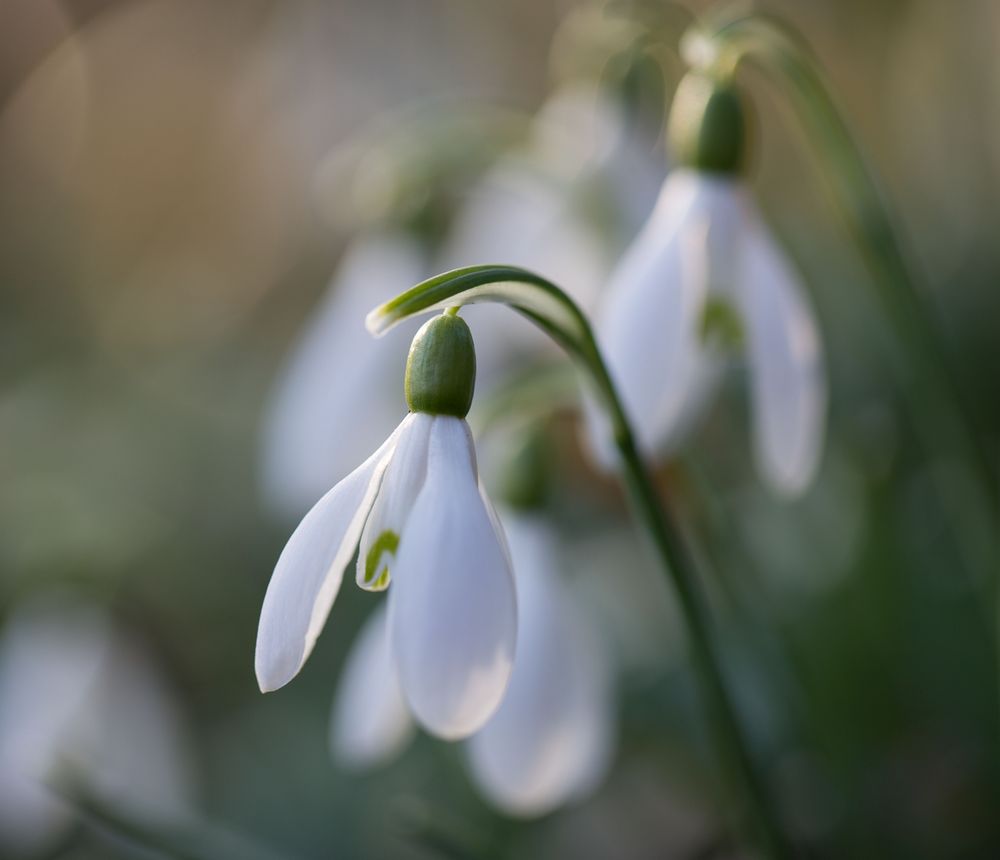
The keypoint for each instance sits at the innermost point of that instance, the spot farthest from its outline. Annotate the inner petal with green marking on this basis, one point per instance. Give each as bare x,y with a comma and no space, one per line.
377,567
721,324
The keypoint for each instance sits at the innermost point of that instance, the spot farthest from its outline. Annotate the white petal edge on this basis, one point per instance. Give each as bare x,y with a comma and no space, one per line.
401,484
371,723
787,377
310,569
552,739
452,606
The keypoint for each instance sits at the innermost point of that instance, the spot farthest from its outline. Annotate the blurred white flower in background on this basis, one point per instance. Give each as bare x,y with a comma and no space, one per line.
556,206
452,606
705,276
80,699
551,741
371,723
340,390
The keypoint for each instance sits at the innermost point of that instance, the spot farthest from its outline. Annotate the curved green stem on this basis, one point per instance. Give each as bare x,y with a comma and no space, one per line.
927,378
553,311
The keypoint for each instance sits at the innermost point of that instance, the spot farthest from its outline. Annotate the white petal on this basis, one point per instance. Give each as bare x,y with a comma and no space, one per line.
452,608
371,722
403,480
649,328
786,367
340,389
551,740
310,569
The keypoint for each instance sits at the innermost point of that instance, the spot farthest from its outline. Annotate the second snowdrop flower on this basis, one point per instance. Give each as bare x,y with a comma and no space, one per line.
417,509
704,277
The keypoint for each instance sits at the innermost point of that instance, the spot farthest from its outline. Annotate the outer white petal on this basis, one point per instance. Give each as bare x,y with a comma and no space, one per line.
786,367
371,722
552,738
649,328
452,606
648,309
340,390
402,482
310,569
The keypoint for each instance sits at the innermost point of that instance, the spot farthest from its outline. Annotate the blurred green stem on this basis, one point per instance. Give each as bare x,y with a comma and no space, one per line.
556,314
927,378
679,567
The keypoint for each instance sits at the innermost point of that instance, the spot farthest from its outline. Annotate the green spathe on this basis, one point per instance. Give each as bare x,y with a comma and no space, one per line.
441,368
707,129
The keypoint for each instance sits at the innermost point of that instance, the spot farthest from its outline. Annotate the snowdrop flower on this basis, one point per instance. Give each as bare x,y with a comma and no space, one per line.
417,509
705,276
552,739
313,403
75,692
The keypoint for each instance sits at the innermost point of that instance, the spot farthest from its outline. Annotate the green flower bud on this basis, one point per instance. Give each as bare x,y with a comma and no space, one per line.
525,480
441,367
707,126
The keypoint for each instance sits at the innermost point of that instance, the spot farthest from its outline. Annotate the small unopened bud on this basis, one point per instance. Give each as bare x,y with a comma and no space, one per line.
441,367
524,482
707,128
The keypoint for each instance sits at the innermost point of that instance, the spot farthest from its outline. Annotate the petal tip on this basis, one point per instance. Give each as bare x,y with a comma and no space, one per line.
271,677
378,321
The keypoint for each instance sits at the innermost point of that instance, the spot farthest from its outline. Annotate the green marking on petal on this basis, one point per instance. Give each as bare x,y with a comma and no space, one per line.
721,324
388,542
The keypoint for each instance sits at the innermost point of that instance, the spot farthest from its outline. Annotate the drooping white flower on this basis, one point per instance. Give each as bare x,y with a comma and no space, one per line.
340,389
417,510
552,738
704,276
76,693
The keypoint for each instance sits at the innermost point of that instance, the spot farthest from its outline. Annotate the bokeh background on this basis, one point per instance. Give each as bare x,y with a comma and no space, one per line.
169,220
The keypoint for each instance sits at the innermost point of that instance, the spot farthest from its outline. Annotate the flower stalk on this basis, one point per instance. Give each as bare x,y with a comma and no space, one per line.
556,314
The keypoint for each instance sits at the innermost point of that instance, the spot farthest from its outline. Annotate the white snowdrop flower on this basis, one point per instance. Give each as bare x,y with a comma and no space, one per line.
552,739
315,401
704,276
76,693
416,507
